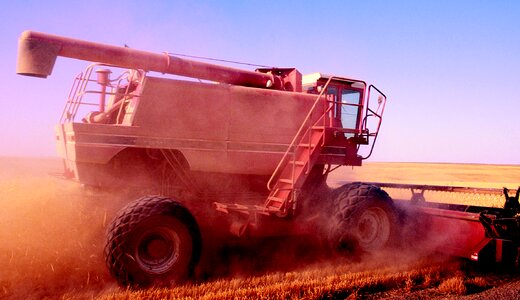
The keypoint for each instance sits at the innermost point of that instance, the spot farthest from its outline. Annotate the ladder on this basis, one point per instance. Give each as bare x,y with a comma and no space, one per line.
299,159
293,171
296,163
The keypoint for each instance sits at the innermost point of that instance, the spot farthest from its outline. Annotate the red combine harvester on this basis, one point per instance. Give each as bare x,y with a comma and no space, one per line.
236,154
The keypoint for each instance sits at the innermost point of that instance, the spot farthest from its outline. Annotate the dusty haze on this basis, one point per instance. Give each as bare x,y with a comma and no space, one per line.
53,230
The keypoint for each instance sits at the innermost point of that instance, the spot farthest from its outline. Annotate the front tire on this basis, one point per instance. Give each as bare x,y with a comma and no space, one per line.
152,241
364,219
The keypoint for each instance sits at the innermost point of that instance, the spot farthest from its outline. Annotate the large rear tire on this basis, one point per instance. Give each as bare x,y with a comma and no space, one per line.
152,241
364,219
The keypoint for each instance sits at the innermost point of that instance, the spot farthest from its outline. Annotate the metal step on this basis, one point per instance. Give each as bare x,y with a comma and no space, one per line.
297,162
306,145
276,199
283,180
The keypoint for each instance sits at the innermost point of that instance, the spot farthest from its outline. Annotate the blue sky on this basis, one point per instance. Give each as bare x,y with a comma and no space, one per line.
449,68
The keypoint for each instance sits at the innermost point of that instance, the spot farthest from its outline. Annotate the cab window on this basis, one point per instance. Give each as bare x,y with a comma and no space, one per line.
349,108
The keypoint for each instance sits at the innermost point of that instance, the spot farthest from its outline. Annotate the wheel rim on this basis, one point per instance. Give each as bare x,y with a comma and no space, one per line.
158,250
373,228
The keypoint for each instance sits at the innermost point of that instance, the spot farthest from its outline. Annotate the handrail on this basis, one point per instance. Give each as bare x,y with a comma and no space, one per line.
76,94
298,134
68,103
378,114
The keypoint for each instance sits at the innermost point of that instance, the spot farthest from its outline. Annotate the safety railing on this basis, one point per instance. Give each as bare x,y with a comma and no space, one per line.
75,97
83,90
377,113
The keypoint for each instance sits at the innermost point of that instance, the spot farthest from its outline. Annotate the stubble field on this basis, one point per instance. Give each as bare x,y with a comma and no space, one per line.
52,234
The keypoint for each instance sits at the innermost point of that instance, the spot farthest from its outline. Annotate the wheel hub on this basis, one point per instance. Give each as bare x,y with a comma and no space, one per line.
373,228
158,250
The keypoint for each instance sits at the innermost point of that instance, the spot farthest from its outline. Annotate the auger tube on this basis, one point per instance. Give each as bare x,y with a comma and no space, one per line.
37,54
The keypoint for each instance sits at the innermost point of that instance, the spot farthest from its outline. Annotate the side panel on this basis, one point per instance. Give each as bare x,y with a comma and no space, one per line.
84,157
222,128
217,127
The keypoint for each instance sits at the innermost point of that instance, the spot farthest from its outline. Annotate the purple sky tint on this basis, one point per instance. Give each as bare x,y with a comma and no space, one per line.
451,69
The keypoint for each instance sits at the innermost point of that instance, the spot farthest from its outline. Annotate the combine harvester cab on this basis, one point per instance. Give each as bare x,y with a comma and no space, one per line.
226,154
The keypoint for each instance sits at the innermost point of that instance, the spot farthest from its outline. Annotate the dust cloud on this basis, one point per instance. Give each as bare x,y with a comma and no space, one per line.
52,233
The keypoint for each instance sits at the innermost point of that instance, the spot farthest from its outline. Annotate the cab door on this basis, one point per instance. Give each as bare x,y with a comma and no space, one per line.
348,109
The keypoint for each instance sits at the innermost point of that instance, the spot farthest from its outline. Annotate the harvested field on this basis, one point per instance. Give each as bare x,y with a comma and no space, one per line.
53,230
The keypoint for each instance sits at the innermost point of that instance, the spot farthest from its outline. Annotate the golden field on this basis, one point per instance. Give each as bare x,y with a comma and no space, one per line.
53,233
460,175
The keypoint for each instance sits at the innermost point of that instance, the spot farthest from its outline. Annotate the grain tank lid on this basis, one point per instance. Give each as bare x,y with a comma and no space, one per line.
312,78
309,79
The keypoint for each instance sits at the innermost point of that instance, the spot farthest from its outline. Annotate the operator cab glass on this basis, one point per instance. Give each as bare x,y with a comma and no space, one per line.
349,111
347,103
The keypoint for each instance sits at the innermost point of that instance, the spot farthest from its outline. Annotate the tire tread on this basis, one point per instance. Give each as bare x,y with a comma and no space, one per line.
126,221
